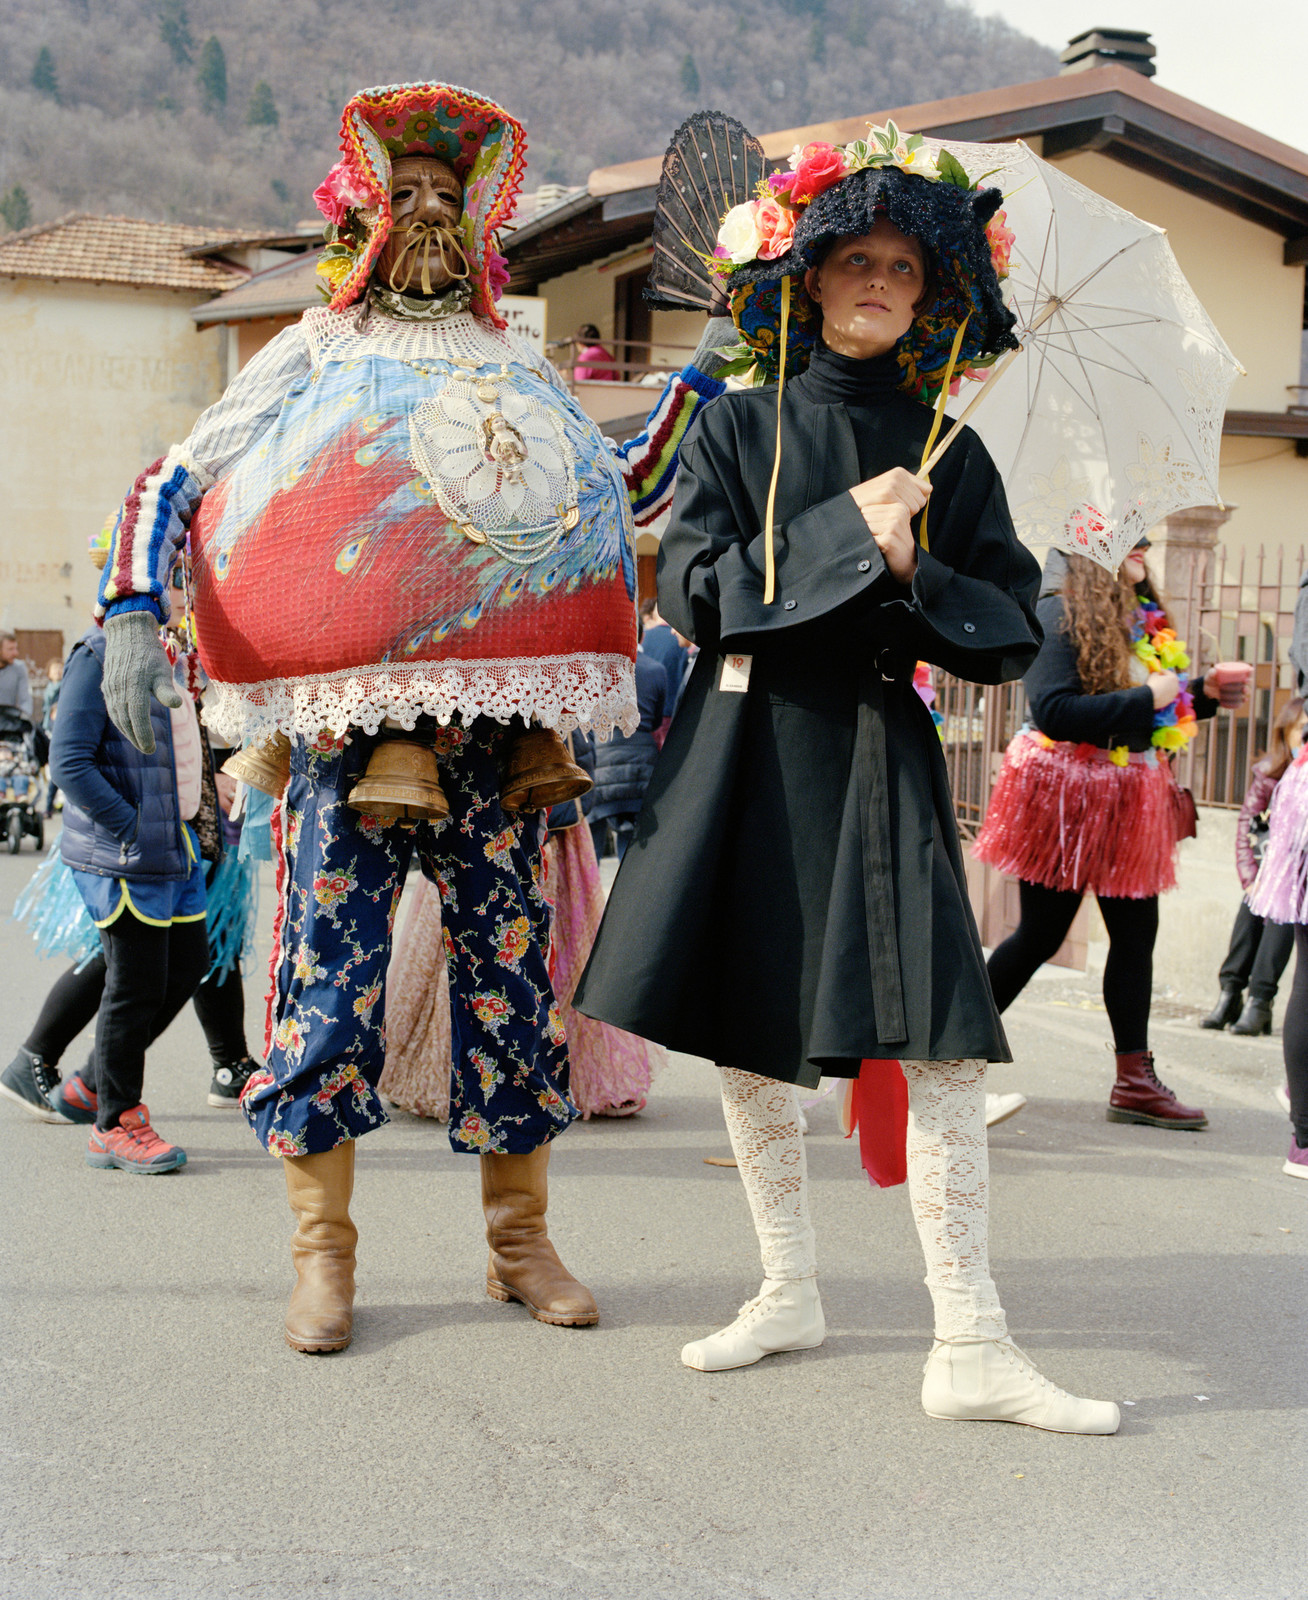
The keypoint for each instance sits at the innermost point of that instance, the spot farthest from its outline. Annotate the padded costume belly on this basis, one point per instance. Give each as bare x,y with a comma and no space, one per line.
327,547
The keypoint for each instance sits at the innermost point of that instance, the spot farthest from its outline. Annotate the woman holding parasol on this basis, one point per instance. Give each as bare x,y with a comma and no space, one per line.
795,887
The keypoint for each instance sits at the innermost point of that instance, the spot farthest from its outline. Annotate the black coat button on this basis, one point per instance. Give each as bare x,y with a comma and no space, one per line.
865,566
969,627
790,605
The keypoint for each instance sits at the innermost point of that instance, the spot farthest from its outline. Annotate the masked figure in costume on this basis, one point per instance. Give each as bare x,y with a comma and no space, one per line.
795,885
408,543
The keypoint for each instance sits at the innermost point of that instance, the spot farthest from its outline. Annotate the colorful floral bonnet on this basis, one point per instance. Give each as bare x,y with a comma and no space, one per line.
487,149
833,191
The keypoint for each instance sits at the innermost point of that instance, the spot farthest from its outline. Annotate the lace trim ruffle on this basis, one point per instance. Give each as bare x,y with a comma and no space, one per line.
459,336
591,692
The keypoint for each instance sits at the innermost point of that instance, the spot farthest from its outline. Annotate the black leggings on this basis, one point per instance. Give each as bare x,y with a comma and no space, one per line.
75,998
1294,1040
1128,973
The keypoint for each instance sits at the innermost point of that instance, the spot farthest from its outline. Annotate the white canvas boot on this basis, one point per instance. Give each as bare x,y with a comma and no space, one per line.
999,1107
992,1381
782,1316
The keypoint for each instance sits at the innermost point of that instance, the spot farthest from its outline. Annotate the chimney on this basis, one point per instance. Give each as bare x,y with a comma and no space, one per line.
1109,47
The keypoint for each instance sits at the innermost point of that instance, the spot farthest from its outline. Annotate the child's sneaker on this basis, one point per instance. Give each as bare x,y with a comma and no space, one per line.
74,1101
229,1081
133,1146
1296,1163
29,1082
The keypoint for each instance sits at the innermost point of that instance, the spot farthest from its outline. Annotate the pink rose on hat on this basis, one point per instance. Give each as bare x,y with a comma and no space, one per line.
339,191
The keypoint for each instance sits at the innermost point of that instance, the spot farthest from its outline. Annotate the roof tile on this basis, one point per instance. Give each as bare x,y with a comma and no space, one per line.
128,250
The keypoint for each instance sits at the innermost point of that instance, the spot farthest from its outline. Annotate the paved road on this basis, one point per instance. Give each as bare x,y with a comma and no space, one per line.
160,1440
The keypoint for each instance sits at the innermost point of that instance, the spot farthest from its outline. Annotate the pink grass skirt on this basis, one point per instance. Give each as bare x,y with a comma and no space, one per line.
1280,891
1067,817
611,1071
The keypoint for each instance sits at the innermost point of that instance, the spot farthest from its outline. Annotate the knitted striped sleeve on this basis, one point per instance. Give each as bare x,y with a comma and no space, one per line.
151,524
649,461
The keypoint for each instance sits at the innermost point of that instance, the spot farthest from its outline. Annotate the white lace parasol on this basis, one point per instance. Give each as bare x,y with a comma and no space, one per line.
1110,416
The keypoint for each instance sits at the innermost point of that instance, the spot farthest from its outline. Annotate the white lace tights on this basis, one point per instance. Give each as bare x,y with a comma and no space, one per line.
948,1170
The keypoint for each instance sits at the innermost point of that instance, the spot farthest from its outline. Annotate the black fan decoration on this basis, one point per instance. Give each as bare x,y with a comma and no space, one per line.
712,164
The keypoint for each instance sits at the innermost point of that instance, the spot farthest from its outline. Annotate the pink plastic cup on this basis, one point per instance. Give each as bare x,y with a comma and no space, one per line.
1229,682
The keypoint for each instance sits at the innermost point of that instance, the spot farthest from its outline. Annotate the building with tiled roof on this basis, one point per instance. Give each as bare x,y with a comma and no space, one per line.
103,369
127,250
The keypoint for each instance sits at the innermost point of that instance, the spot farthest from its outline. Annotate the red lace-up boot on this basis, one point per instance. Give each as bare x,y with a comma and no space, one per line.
1138,1096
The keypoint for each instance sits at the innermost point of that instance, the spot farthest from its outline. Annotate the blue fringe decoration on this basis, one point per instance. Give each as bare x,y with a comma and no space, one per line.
231,909
56,914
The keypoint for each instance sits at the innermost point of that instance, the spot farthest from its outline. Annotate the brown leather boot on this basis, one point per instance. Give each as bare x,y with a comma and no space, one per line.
321,1313
1139,1097
524,1265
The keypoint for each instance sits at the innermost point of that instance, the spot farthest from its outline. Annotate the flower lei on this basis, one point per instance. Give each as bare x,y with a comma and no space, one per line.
762,229
1155,644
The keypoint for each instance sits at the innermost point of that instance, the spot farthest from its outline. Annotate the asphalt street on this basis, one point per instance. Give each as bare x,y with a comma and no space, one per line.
161,1440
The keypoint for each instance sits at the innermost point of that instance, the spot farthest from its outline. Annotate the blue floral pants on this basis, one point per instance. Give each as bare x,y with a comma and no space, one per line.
340,879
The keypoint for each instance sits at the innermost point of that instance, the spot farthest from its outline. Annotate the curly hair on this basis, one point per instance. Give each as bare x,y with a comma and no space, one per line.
1099,610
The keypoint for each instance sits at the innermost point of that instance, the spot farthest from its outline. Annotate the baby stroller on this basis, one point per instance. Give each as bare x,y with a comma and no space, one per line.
20,781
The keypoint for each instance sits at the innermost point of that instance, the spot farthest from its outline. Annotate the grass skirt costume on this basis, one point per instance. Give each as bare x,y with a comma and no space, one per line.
1280,891
1069,816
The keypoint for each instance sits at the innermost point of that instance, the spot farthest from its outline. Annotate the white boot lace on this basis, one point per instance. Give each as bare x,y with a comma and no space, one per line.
1027,1369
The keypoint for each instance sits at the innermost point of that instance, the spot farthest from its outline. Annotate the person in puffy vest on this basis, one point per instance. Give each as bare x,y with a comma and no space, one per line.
129,841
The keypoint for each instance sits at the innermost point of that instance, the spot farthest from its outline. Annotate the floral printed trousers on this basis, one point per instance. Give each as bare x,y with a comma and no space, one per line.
339,882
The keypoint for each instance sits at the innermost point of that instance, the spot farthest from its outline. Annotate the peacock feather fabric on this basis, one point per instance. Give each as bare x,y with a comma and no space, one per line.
370,556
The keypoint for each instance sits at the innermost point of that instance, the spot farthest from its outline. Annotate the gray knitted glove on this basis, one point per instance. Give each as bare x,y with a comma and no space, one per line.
136,667
720,334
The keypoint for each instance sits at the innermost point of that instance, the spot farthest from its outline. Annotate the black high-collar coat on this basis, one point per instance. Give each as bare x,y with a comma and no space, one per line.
794,897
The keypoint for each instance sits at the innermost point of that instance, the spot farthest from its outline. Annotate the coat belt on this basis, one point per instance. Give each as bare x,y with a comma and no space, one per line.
874,822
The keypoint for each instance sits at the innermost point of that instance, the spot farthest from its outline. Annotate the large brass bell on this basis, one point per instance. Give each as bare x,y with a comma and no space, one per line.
401,784
537,770
264,766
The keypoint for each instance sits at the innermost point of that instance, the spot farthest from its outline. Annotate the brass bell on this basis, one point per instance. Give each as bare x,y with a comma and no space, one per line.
401,784
265,766
537,770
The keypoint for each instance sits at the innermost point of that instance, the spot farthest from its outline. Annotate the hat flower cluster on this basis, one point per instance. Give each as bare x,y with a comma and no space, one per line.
763,229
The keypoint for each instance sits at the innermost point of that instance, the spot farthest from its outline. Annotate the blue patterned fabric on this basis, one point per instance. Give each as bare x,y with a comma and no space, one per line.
342,877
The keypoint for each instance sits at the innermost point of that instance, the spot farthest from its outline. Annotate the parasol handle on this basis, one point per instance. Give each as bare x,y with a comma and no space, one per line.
933,460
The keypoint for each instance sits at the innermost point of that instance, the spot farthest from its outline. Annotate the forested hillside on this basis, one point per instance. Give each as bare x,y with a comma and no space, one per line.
227,110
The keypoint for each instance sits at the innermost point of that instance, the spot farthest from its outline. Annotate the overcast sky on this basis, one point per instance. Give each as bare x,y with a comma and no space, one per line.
1248,61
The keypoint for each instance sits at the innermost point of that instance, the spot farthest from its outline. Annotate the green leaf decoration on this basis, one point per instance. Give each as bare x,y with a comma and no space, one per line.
951,170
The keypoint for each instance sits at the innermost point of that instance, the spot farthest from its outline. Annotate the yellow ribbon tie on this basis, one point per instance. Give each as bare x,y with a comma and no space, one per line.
942,400
769,553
